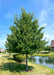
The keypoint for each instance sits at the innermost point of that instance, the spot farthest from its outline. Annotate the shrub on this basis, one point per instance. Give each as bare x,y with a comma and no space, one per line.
44,52
19,58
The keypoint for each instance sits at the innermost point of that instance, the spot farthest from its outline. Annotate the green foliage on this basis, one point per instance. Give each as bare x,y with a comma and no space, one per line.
44,52
19,58
48,48
26,36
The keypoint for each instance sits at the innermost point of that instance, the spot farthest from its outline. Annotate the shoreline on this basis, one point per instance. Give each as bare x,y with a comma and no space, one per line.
51,55
42,65
12,68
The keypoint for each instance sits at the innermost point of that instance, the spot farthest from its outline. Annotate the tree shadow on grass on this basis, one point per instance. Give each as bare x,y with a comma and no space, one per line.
10,58
5,56
14,67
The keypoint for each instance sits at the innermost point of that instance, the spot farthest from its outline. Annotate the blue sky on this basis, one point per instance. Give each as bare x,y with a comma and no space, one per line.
44,11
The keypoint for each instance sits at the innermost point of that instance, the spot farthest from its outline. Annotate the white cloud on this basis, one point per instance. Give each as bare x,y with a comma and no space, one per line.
48,37
43,15
44,25
43,22
2,43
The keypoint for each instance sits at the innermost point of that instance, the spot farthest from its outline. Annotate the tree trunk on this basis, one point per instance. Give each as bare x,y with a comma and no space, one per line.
26,63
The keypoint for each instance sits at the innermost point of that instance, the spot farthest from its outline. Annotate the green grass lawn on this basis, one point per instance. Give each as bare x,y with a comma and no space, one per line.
49,54
10,67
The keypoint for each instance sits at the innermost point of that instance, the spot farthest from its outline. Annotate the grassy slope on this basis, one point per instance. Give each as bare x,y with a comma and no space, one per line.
11,67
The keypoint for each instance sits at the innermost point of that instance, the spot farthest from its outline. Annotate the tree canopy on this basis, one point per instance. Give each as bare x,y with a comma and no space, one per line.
26,35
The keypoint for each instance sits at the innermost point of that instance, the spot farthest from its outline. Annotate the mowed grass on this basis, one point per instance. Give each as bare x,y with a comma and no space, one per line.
49,54
10,67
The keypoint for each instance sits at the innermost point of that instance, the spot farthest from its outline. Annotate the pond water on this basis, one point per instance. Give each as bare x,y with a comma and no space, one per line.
45,61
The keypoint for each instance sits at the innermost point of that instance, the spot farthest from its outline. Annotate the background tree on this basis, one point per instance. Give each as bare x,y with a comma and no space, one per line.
48,48
26,36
